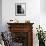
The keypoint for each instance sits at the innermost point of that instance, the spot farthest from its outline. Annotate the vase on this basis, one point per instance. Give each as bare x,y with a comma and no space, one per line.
41,43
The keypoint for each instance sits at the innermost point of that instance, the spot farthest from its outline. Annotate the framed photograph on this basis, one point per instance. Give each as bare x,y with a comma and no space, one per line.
20,9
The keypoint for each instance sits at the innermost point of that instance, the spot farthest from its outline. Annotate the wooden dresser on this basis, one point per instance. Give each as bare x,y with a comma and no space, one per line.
22,33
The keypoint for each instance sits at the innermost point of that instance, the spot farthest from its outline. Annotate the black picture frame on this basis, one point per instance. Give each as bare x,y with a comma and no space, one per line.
20,9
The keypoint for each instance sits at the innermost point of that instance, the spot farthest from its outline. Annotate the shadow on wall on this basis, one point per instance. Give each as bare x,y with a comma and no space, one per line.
43,6
0,15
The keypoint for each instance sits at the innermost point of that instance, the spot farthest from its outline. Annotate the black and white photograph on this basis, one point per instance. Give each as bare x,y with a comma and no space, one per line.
20,9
